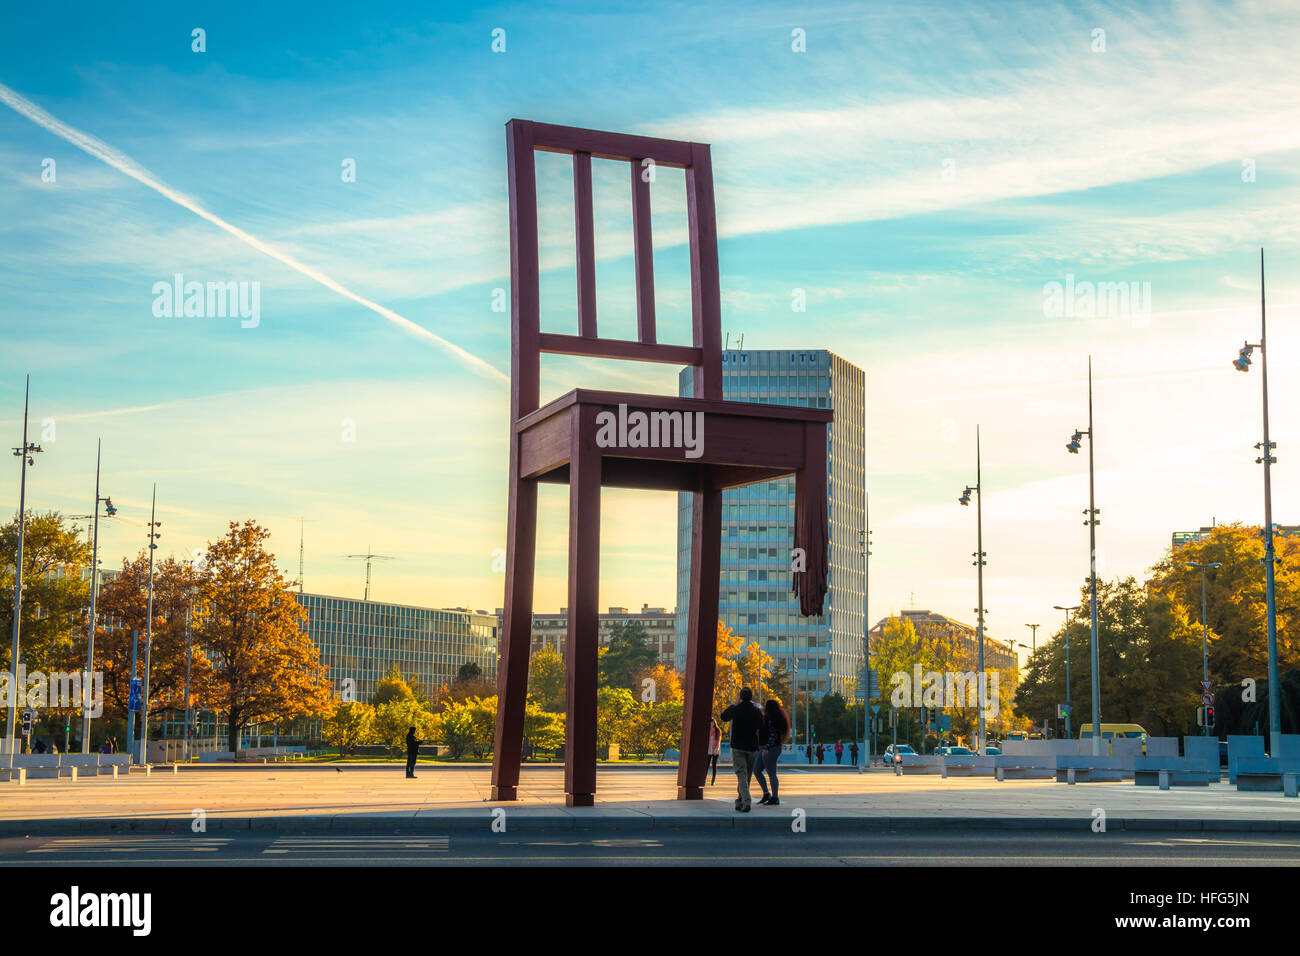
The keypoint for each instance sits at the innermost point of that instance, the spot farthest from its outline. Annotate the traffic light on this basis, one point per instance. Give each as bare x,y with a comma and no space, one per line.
27,723
1209,715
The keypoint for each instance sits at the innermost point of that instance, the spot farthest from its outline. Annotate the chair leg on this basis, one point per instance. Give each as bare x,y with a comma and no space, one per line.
517,624
702,640
584,622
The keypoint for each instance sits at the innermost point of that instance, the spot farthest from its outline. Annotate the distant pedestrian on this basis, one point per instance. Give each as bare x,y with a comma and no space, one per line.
853,753
412,752
715,749
746,724
839,750
775,727
821,752
105,748
809,751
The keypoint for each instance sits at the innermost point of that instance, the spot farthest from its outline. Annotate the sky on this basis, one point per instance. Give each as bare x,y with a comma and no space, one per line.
921,173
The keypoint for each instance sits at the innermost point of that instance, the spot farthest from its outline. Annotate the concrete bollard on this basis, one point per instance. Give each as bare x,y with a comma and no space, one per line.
72,774
1000,773
114,771
1289,784
1164,779
1069,775
943,771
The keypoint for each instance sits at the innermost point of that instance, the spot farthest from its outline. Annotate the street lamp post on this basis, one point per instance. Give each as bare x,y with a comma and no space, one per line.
1205,636
1242,364
1091,521
148,640
979,562
24,454
1068,611
109,510
1033,629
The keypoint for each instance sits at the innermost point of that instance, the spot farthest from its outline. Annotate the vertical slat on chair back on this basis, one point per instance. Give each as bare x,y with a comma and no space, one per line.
527,339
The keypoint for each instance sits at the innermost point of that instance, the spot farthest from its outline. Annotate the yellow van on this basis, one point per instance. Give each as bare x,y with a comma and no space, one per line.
1109,731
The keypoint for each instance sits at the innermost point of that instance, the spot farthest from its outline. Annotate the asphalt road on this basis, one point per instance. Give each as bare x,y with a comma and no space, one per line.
662,848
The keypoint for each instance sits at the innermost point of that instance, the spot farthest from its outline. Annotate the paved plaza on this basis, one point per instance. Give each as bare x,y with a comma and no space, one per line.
371,797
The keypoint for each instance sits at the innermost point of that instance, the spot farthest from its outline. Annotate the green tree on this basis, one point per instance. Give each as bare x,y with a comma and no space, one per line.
469,671
543,729
351,725
456,728
615,706
547,679
627,654
394,718
55,597
392,686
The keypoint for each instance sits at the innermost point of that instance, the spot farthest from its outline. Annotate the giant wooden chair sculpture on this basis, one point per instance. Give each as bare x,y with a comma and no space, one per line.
562,442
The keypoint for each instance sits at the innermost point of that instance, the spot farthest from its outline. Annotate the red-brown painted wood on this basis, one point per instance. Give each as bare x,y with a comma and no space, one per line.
584,620
585,232
620,349
702,635
643,247
706,297
743,443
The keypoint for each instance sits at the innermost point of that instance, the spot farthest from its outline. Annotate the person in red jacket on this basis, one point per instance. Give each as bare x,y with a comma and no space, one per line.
715,748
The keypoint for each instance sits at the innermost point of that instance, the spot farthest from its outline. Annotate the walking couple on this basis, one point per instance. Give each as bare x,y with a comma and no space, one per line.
756,738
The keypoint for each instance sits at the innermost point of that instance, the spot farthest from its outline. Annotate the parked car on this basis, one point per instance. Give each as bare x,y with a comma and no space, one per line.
956,752
895,752
993,751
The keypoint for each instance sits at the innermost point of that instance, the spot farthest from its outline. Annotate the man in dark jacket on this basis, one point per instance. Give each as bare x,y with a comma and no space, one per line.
746,723
412,751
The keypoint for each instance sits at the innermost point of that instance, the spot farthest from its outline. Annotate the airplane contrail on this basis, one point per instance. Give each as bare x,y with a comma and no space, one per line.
123,163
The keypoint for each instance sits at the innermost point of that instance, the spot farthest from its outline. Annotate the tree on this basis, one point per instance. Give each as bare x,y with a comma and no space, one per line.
665,686
543,729
265,666
781,683
55,597
456,728
392,686
394,718
349,726
123,605
469,671
615,706
627,653
1237,611
726,679
547,679
1148,662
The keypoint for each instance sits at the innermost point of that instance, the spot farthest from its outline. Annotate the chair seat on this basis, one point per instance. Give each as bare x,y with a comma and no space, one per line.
662,442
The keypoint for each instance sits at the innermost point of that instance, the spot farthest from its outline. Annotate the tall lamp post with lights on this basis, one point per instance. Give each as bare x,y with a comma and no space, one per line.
1068,611
109,511
1242,364
24,453
1091,520
148,643
979,562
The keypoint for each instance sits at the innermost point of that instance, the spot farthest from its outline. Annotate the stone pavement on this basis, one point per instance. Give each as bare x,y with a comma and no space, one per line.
369,797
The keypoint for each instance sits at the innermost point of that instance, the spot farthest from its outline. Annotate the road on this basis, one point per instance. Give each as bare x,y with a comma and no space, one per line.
661,848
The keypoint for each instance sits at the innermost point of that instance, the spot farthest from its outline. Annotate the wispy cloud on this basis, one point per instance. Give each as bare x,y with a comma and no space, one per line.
123,163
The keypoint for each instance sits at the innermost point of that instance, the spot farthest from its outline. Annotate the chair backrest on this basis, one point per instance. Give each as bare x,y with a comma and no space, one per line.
639,152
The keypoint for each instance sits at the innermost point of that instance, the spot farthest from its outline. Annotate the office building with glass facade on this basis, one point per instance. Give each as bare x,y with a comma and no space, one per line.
755,596
364,639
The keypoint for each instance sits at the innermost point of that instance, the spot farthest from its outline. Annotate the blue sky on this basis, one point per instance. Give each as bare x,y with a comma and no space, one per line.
920,170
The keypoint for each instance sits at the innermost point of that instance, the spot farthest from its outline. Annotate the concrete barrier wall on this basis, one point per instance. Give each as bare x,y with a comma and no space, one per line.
1242,745
1162,746
1288,747
1127,750
1204,750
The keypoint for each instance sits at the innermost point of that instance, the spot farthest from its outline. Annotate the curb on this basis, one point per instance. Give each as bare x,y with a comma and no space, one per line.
621,820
